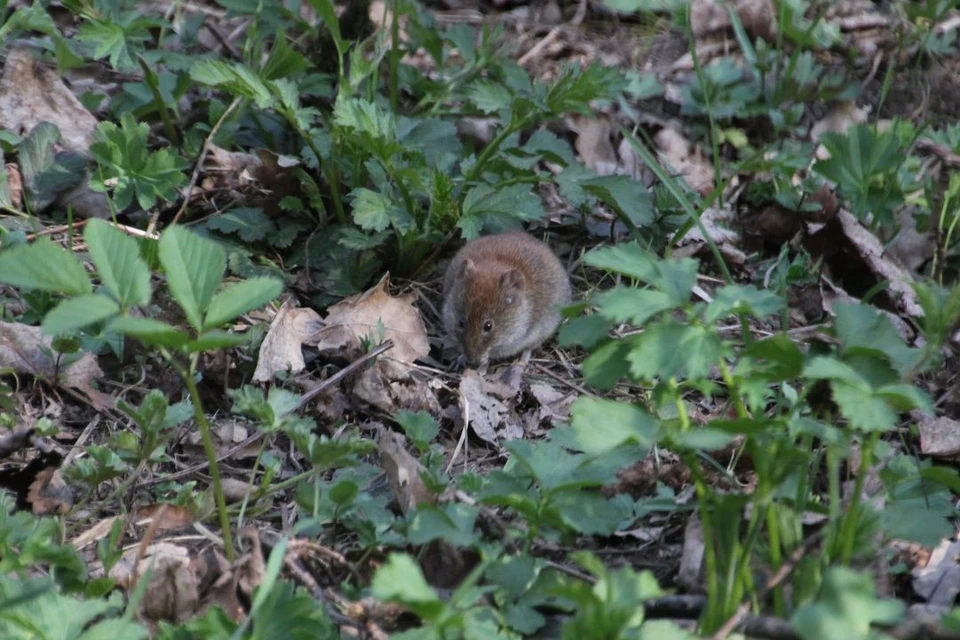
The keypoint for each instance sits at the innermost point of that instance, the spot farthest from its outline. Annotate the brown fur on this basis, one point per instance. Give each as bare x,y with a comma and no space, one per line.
506,290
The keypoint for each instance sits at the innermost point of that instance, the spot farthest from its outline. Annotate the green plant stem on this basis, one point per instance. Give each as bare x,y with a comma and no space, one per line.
208,447
394,58
848,529
489,151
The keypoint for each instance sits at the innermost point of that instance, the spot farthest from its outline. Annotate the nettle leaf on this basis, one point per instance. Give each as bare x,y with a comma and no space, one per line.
451,522
374,211
515,202
250,223
44,266
733,299
117,257
864,327
674,277
400,580
79,312
623,194
590,513
150,331
236,78
239,298
585,331
635,306
603,425
488,96
194,266
670,349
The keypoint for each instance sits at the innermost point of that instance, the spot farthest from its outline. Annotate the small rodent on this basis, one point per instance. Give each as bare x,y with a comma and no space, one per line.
501,296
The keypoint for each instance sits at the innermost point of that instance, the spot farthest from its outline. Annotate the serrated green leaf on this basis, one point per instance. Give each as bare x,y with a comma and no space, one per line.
670,350
194,268
235,78
623,194
250,223
451,522
150,331
636,306
117,257
733,299
489,96
46,267
78,312
371,210
603,425
239,298
400,580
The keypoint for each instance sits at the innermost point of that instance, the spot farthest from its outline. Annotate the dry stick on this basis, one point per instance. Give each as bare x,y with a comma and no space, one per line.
383,347
196,170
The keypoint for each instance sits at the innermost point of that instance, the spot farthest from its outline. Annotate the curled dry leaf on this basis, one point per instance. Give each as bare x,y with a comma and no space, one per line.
939,436
25,350
554,406
31,93
173,591
281,349
710,17
359,317
49,493
939,581
691,559
685,160
391,386
715,222
403,471
164,515
251,567
594,144
484,405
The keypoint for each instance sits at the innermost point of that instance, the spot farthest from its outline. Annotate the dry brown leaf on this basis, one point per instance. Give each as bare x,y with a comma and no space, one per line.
281,349
234,489
358,317
173,590
30,94
251,568
166,516
14,185
714,221
685,160
939,437
939,581
483,402
554,406
26,350
403,471
391,386
99,530
594,144
49,493
712,16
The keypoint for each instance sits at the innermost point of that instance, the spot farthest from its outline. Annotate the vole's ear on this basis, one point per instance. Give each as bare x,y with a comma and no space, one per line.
468,268
512,280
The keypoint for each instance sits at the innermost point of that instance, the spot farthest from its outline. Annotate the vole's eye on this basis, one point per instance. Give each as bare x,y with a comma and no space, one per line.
462,323
487,326
509,299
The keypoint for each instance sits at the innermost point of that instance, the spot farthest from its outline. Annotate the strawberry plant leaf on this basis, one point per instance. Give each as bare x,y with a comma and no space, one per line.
79,312
150,331
46,267
116,255
239,298
194,266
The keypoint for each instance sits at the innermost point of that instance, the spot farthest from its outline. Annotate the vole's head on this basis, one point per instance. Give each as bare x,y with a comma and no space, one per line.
486,309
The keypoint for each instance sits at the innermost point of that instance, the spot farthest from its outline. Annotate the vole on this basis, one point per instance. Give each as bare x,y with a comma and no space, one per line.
501,296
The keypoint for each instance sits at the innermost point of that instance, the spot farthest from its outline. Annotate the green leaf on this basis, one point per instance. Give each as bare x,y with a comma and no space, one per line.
624,195
400,580
490,97
635,306
585,331
673,277
602,425
150,331
375,212
48,172
79,312
235,78
420,426
194,267
239,298
451,522
845,608
671,349
513,203
46,267
777,357
865,328
733,299
251,224
215,339
117,258
590,513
